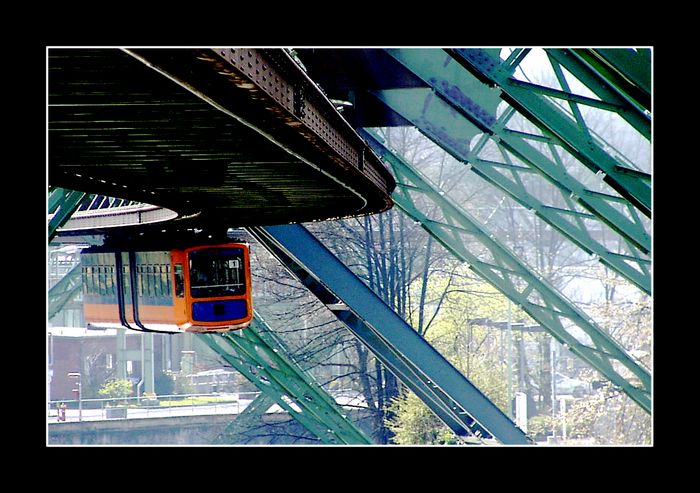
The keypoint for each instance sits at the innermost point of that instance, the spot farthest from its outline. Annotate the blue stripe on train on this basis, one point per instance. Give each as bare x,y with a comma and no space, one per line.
218,311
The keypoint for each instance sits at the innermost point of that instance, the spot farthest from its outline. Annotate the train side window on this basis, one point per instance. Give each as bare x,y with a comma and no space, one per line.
140,269
157,289
110,280
150,290
179,281
87,279
165,276
126,277
95,280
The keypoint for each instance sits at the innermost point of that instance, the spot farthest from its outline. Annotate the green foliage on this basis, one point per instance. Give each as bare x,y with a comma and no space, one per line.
116,389
541,426
472,348
610,418
414,424
164,384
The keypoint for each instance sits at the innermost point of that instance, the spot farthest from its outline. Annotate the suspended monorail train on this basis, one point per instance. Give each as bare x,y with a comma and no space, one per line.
195,289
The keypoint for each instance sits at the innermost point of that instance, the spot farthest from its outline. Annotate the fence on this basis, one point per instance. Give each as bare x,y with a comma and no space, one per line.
141,407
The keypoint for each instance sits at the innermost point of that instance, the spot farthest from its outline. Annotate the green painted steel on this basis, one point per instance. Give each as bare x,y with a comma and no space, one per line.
475,101
246,420
430,112
439,402
628,100
575,136
262,358
633,64
501,268
450,395
64,290
62,203
627,70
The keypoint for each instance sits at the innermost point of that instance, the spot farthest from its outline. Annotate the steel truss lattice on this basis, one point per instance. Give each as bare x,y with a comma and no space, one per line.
514,279
263,359
580,210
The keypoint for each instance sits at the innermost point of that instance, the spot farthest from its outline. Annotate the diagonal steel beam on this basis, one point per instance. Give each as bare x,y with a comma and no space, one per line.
64,290
246,419
439,402
627,71
410,357
514,279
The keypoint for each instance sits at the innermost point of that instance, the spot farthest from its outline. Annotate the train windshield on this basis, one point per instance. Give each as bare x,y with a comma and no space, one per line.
217,272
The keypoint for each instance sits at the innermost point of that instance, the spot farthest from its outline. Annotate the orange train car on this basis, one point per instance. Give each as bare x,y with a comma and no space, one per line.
197,289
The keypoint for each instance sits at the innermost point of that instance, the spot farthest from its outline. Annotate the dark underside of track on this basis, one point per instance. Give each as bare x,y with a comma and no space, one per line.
231,137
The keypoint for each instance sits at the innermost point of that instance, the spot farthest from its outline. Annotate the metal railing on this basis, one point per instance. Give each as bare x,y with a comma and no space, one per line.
161,406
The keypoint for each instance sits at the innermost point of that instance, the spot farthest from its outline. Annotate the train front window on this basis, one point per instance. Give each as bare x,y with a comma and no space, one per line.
216,272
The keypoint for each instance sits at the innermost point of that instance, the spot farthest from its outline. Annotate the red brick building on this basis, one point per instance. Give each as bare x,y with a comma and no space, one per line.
93,354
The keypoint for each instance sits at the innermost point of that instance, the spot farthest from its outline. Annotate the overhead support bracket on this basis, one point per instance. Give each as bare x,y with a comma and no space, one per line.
502,269
397,345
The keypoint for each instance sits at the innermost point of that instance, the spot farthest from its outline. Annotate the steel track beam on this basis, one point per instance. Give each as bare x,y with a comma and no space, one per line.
574,135
502,269
262,358
437,119
405,353
439,402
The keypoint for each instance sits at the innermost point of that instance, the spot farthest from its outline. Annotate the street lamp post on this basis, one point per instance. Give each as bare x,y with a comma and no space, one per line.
79,376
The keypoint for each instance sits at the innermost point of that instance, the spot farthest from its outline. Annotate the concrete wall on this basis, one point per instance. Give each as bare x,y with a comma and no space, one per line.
189,430
272,428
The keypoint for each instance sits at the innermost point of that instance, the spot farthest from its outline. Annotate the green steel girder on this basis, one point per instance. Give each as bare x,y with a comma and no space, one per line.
447,393
263,359
476,103
62,203
627,70
246,420
435,118
268,387
515,280
634,64
64,290
630,102
574,135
